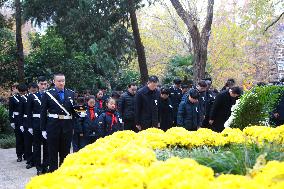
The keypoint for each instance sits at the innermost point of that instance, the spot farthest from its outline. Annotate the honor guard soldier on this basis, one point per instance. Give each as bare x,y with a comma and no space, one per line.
33,106
56,120
28,135
14,111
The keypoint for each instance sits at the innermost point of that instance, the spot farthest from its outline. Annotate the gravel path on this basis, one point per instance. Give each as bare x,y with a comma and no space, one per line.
13,174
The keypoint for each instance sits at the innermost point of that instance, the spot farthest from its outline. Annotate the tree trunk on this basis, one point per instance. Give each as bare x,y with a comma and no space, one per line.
199,40
138,43
19,42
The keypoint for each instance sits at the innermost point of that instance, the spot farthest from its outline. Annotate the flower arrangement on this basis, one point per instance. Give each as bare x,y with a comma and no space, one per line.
128,160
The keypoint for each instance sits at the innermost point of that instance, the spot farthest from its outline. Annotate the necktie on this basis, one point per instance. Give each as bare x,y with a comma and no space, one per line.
61,95
92,113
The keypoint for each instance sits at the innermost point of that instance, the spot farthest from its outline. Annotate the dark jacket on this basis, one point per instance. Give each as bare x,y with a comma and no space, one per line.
221,110
201,103
146,107
175,96
107,124
33,107
91,126
100,106
166,114
49,106
126,106
188,115
14,108
210,98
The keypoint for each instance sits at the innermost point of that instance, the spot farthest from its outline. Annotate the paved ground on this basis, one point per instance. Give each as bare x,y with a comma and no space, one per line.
13,175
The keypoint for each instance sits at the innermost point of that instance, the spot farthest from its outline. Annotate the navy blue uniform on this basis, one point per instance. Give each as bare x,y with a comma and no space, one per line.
100,105
188,115
14,110
58,124
146,109
33,113
28,137
108,123
91,127
175,96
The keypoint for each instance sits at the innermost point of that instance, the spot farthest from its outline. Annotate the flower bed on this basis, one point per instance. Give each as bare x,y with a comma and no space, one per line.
128,160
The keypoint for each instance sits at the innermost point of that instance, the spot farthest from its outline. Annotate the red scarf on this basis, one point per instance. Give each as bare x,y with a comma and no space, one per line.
92,113
113,118
101,103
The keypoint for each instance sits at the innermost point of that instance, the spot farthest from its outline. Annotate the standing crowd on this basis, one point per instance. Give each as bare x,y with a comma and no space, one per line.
47,121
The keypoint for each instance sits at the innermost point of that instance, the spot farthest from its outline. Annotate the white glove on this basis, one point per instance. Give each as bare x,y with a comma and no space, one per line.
13,125
44,134
22,128
30,130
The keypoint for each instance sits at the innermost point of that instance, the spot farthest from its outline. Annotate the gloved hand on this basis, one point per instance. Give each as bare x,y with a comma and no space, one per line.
13,125
44,134
30,130
22,128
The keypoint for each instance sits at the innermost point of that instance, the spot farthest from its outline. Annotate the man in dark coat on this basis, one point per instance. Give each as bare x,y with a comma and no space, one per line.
146,105
175,97
166,110
126,107
56,121
221,109
188,111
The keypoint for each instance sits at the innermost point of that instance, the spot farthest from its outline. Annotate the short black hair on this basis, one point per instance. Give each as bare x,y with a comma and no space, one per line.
41,79
202,83
193,93
184,86
115,94
237,90
22,87
58,74
131,84
165,91
153,79
177,81
261,84
33,85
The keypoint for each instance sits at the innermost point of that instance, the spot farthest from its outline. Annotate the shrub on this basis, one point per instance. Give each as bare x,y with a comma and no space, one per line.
255,106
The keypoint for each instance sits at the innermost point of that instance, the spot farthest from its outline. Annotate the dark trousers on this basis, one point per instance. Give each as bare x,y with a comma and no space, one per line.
59,138
78,142
28,139
38,140
129,124
19,141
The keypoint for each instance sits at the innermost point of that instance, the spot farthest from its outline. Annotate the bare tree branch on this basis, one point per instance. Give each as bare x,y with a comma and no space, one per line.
207,26
274,22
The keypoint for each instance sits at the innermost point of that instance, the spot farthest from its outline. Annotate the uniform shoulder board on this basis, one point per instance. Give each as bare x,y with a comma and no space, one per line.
70,90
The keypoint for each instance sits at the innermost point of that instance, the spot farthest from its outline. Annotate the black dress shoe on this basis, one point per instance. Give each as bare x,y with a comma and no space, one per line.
29,166
19,159
39,172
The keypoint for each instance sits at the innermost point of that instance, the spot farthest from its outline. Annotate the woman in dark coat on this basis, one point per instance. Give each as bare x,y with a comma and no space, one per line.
165,110
221,109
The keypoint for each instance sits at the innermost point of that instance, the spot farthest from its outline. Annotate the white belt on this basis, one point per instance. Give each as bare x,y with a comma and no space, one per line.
25,115
15,113
56,116
36,115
